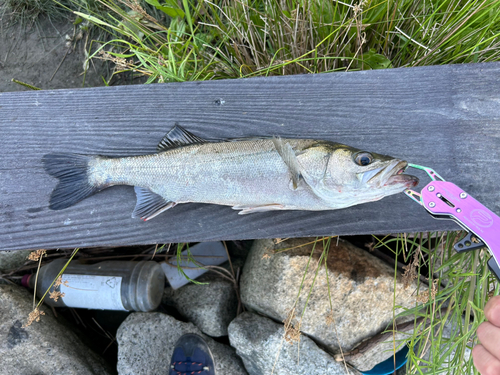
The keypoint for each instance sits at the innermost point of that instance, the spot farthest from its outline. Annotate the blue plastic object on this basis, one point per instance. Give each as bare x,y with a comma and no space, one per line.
387,367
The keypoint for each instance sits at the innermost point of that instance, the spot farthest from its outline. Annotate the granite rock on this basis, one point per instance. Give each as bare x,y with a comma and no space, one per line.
360,285
211,307
260,343
44,347
10,260
371,352
146,343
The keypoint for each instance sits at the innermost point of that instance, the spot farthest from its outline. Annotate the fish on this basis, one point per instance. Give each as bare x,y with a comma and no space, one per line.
251,175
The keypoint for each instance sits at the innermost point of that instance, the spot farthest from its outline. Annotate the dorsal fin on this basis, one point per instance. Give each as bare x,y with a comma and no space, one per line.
288,155
178,137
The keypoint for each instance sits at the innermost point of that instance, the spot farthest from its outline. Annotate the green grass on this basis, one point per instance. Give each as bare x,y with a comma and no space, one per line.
166,41
27,12
449,304
454,297
180,41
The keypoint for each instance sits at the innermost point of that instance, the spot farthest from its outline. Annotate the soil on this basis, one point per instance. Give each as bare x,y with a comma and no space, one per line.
38,55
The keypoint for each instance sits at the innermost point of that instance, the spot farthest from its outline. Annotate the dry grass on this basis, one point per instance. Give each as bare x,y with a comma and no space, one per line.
411,270
36,314
292,328
36,255
214,39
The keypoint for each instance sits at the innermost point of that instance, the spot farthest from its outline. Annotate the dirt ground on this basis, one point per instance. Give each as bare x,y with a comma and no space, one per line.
39,55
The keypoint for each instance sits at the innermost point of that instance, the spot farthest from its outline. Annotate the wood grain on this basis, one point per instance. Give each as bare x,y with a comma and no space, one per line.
445,117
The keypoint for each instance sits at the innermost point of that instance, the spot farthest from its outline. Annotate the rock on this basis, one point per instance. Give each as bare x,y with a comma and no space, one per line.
10,260
45,347
211,307
361,289
146,343
375,350
259,342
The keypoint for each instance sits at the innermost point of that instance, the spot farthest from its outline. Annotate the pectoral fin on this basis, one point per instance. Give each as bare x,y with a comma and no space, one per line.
149,204
288,155
251,209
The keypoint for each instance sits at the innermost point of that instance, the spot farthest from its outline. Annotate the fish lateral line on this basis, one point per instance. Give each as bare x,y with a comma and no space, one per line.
256,174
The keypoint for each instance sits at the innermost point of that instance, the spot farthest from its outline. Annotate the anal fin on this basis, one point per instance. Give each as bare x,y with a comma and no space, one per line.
149,204
252,209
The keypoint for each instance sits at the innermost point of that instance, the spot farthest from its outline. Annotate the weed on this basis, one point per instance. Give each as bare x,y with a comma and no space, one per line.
450,305
440,328
27,12
34,316
189,259
292,328
37,255
180,41
215,39
411,271
55,295
292,325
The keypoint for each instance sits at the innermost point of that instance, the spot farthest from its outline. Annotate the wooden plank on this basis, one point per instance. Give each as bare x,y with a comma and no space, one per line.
445,117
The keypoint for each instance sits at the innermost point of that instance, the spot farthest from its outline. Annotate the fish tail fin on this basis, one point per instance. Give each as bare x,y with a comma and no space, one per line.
72,172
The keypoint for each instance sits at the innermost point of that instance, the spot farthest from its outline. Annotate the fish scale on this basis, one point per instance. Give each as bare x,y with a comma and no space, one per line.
251,175
240,173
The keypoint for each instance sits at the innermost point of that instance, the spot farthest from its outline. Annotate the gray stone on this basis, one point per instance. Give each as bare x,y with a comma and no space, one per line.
211,307
146,343
44,347
369,352
361,289
365,357
260,343
10,260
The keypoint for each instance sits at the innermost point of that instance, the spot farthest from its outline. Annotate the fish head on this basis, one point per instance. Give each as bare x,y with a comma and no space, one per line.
347,176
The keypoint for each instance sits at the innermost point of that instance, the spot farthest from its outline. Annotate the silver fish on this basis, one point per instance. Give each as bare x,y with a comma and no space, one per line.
251,175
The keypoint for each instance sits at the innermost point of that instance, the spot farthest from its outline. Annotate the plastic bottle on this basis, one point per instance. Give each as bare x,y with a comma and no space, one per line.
109,285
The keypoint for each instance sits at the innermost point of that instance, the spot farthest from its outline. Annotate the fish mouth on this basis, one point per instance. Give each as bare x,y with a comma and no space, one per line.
391,175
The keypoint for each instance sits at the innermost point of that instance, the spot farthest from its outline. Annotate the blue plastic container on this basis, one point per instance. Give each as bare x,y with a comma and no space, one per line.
387,367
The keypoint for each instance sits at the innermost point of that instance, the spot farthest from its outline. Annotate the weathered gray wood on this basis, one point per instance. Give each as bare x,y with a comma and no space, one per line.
445,117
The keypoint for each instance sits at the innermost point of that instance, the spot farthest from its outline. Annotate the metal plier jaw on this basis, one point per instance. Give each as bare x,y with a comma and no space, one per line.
445,200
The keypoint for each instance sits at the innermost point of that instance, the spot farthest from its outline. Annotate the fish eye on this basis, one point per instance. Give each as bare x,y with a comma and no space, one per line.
363,158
